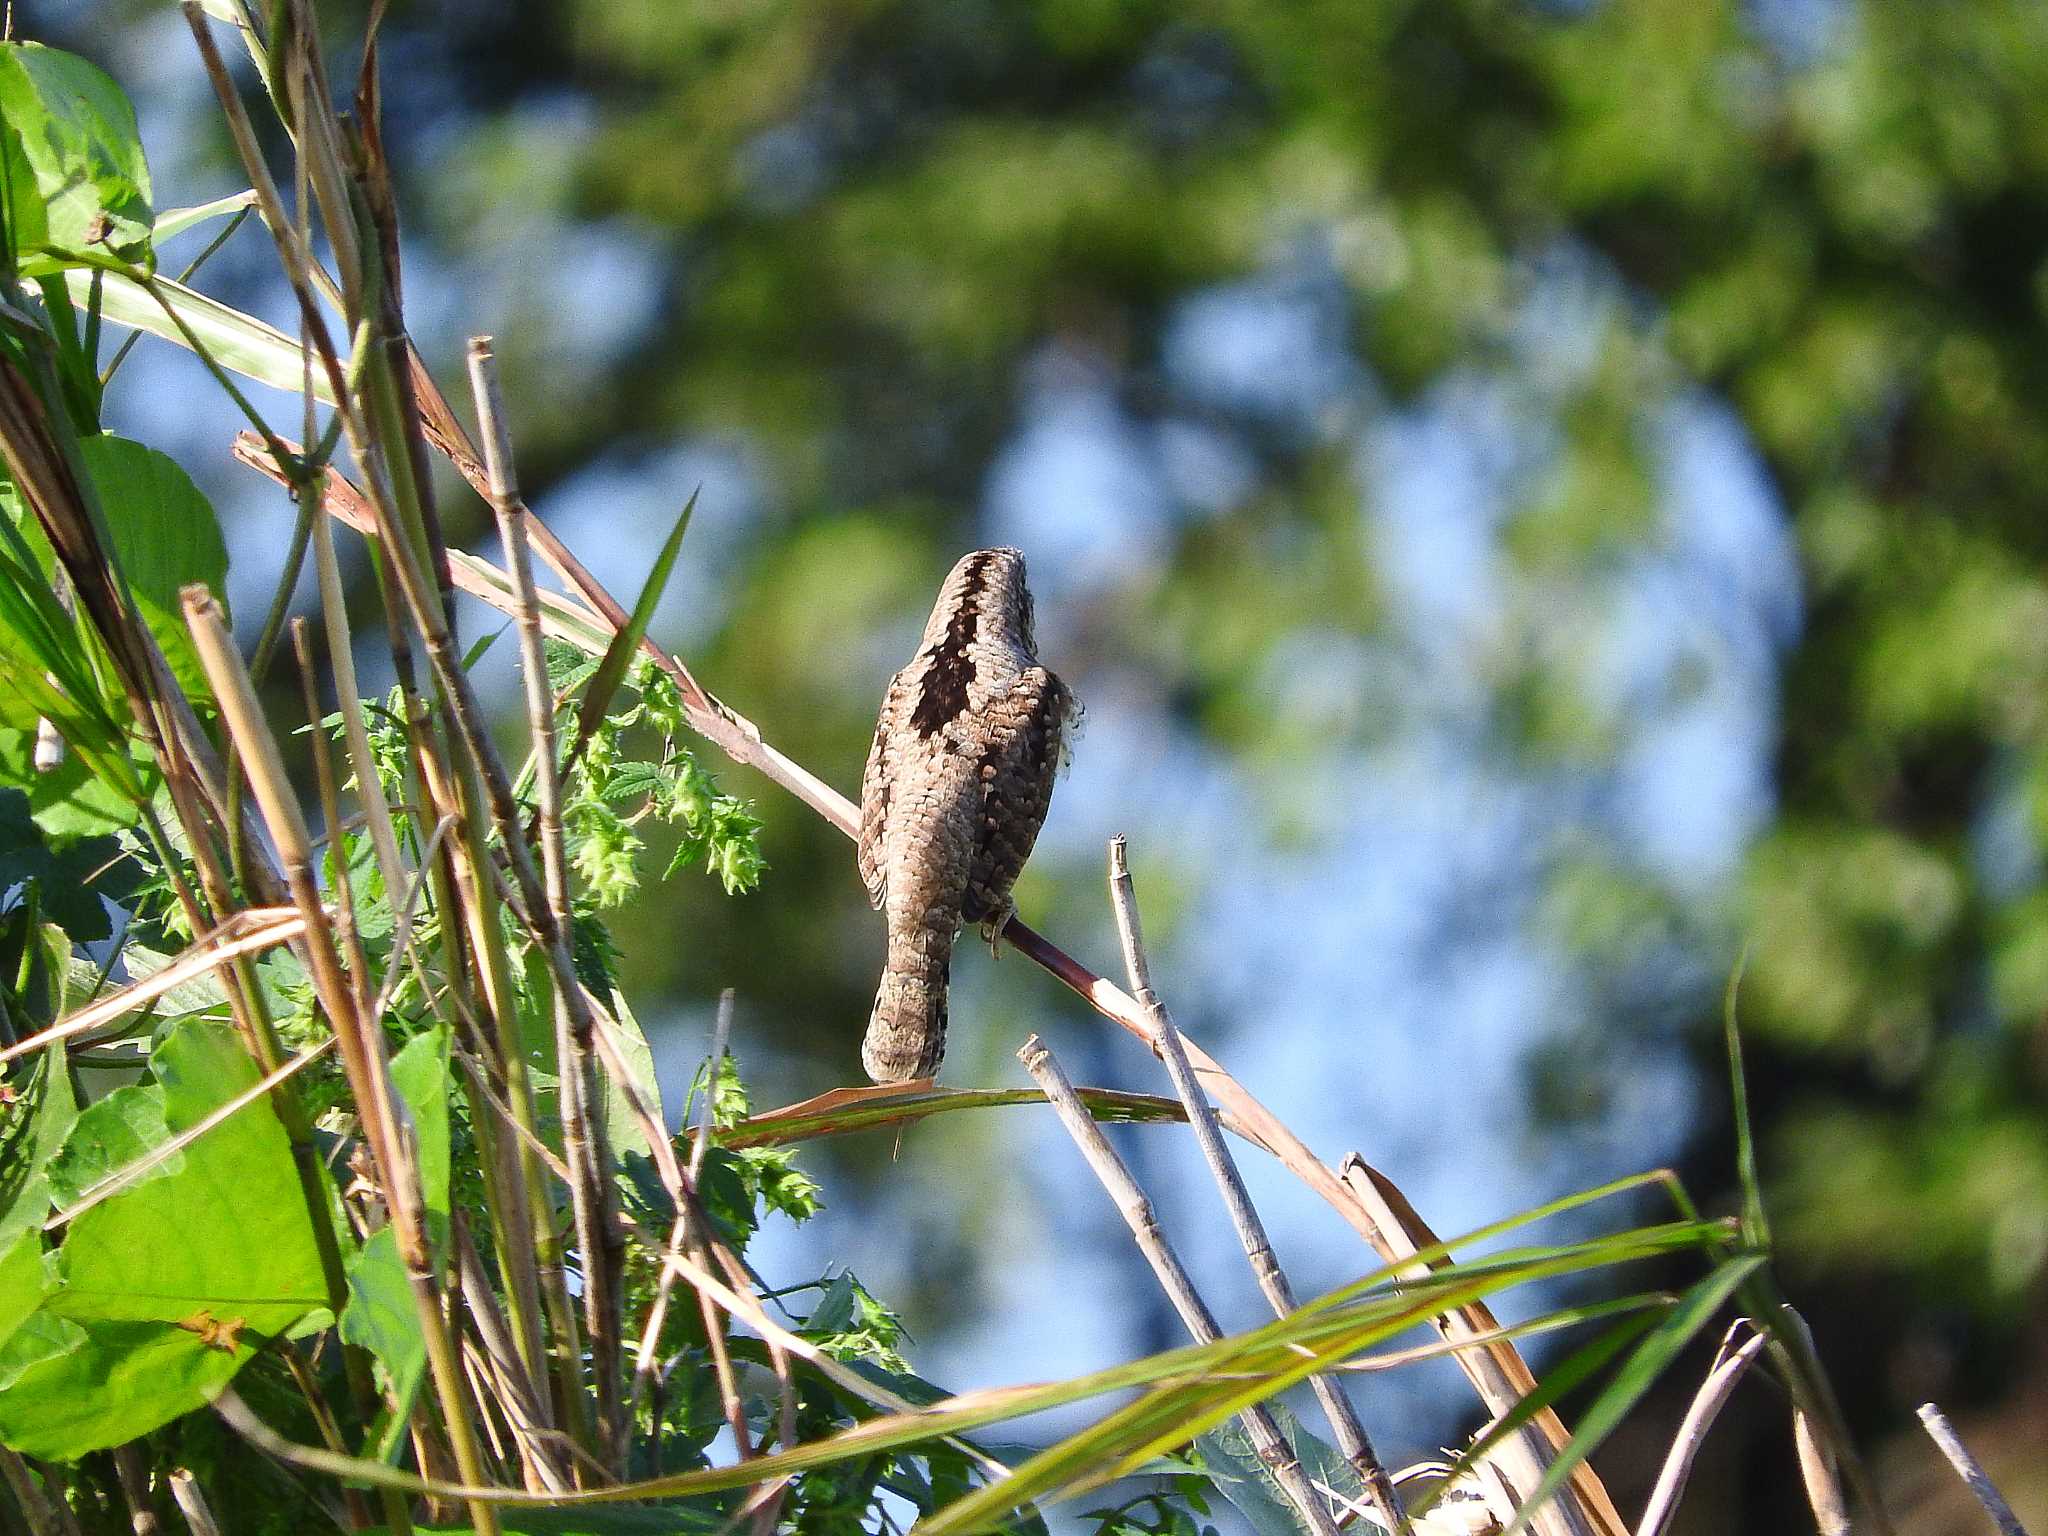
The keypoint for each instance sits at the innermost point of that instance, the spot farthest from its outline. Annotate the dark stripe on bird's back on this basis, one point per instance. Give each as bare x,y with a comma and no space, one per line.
943,693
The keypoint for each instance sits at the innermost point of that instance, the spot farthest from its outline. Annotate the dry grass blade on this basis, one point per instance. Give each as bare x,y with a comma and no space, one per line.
584,1143
361,1040
1729,1367
245,933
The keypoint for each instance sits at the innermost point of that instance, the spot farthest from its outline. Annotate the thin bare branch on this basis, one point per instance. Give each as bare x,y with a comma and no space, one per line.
1270,1445
1251,1230
1970,1470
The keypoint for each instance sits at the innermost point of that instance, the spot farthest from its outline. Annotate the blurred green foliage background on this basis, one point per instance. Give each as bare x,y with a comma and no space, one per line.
1536,498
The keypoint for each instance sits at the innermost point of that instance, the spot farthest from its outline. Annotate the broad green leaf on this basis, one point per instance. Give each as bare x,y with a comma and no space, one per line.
227,1235
68,802
1233,1465
22,1282
165,1290
166,537
381,1317
122,1128
70,159
420,1073
238,342
621,1124
28,1145
202,994
69,1387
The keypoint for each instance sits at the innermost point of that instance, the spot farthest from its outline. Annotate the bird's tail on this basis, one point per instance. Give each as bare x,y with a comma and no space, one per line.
907,1031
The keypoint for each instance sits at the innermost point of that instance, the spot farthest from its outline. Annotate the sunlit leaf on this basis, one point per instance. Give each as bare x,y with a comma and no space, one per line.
70,159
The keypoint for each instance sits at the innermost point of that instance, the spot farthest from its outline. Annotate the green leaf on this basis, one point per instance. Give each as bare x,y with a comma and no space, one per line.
70,159
625,645
382,1318
27,1146
238,342
175,221
165,535
862,1109
22,1282
69,1387
167,1289
1756,1227
1641,1371
621,1124
420,1073
1234,1467
227,1234
120,1129
68,802
59,865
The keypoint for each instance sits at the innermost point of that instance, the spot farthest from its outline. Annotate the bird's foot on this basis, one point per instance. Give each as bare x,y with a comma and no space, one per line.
992,929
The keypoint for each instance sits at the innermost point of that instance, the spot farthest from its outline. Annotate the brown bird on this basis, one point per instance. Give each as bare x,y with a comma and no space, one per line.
956,788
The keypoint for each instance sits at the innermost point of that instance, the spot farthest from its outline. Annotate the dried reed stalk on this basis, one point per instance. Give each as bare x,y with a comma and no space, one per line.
1244,1216
591,1186
361,1040
1271,1446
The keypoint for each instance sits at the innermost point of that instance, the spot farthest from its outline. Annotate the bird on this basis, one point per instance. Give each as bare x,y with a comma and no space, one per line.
969,739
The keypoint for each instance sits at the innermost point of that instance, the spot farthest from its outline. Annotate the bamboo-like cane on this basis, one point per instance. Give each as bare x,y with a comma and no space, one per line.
361,1041
584,1143
1970,1470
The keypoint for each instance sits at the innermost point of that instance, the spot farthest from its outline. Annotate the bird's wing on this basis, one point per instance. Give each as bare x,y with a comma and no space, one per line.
1017,771
874,796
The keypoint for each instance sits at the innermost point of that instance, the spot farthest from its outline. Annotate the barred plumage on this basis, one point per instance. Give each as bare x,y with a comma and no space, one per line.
956,788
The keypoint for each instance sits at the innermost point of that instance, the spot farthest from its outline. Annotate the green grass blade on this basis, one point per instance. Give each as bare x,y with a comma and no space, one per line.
611,669
1692,1313
1756,1230
238,342
1567,1375
861,1109
175,221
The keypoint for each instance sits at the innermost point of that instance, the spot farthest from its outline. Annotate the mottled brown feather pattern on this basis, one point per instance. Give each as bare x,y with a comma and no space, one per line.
956,787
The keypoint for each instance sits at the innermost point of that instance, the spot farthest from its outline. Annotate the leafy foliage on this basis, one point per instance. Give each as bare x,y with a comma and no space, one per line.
253,1212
